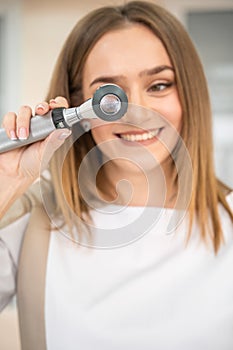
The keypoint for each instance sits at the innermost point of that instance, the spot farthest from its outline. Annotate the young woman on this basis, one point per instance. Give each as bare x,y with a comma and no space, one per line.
144,185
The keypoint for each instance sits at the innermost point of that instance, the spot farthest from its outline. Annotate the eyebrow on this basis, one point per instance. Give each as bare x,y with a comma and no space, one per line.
116,78
155,70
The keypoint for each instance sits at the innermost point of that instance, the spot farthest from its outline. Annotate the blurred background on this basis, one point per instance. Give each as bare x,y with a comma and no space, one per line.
32,33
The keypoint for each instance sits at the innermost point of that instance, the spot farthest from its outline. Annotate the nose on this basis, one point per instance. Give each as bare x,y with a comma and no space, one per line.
135,96
138,110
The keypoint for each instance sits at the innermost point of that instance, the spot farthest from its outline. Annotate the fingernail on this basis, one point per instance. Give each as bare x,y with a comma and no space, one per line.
40,106
64,135
13,135
22,133
52,101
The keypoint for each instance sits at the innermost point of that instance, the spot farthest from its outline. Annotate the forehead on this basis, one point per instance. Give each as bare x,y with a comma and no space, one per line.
133,46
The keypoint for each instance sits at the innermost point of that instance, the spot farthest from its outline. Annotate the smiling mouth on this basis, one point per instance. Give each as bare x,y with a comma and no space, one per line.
140,136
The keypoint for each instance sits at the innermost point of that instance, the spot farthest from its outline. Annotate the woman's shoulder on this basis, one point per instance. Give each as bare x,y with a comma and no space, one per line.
17,211
31,198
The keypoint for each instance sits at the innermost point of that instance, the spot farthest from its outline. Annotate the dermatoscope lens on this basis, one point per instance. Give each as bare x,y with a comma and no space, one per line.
110,104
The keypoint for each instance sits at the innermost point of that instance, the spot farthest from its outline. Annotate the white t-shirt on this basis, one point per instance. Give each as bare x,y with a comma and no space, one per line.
146,292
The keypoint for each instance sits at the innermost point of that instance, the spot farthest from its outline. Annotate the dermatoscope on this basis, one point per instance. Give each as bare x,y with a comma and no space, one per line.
109,103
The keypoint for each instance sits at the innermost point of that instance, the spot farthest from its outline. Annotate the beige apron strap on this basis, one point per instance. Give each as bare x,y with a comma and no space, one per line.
31,281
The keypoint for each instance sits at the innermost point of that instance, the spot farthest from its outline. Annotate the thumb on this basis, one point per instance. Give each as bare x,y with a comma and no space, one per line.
52,143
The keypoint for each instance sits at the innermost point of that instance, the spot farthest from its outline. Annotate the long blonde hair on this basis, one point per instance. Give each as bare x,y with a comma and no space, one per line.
207,190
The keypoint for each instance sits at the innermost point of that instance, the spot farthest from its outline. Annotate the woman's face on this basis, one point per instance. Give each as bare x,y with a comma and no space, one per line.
135,59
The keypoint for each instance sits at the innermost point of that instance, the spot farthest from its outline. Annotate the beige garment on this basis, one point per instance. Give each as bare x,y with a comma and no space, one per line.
31,281
31,273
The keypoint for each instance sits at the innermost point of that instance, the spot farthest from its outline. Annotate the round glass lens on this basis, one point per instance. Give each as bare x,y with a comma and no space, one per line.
110,104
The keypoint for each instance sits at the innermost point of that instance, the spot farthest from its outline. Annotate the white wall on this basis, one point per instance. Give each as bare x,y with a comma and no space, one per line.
11,54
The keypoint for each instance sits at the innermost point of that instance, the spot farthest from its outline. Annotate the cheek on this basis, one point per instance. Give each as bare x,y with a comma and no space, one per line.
101,132
172,112
106,141
176,119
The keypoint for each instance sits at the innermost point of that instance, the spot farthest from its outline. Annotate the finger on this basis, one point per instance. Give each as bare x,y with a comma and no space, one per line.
23,122
9,124
42,108
57,102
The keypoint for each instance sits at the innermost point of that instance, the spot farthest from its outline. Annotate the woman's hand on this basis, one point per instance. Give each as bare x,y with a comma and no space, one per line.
19,168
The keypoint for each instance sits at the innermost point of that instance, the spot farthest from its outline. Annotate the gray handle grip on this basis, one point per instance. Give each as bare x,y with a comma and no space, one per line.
40,128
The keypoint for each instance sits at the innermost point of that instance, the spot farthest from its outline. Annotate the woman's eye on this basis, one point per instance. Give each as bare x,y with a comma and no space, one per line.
160,86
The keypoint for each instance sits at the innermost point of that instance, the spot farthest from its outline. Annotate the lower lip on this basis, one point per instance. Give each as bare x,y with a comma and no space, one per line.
143,142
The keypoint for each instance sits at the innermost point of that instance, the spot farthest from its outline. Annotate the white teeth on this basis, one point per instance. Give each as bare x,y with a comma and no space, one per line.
140,137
